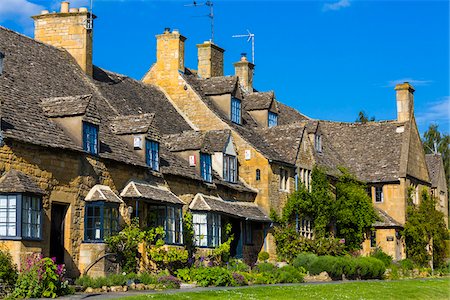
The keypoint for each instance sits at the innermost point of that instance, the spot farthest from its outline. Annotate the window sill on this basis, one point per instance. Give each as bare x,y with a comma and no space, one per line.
284,191
19,238
94,242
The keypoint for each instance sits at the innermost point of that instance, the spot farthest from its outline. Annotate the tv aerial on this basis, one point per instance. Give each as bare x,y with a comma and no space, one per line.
210,15
250,37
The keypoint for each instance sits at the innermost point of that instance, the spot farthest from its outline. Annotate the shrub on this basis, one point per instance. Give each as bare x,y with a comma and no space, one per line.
169,282
263,256
147,278
304,260
184,274
41,277
237,265
212,276
8,273
369,268
322,264
289,274
265,267
406,264
239,279
385,258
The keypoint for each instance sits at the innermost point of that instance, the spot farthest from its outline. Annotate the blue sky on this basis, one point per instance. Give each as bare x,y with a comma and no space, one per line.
328,59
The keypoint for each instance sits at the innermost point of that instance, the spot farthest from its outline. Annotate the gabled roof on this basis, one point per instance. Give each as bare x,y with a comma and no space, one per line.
372,151
68,106
385,220
14,181
259,101
153,192
435,167
135,124
288,115
218,85
285,139
102,193
238,209
205,141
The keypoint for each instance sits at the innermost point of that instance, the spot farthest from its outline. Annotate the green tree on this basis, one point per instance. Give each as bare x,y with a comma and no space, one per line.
353,210
364,118
425,226
434,141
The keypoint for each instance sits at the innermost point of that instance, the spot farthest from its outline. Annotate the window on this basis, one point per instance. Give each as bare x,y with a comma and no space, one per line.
318,143
415,193
2,56
284,180
101,219
90,138
229,168
207,229
152,154
31,217
304,226
273,119
20,216
379,194
235,110
258,174
248,233
206,167
171,219
373,239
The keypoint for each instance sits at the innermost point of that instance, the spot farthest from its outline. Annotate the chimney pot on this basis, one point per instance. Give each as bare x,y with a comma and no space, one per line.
83,9
167,30
73,10
65,6
44,12
244,56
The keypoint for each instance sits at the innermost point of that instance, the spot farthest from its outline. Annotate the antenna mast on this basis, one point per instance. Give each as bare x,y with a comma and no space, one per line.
250,37
210,4
89,22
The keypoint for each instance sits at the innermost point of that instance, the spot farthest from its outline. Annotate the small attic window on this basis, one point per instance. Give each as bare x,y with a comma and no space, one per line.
90,138
235,110
152,154
2,56
273,119
318,142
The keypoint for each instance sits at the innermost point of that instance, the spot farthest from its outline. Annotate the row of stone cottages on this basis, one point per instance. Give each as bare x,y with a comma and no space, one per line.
84,149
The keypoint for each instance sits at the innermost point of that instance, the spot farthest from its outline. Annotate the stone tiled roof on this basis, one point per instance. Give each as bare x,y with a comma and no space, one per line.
102,193
246,129
258,100
205,141
136,189
134,124
14,181
238,209
218,85
34,71
434,164
285,139
385,220
371,151
288,115
71,106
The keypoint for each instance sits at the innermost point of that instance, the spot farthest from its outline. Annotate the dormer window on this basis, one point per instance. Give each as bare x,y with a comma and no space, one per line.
152,154
206,167
229,168
90,138
318,142
2,56
273,119
235,110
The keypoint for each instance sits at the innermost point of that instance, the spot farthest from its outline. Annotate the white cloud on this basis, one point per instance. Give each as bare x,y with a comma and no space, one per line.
336,5
14,9
437,112
414,82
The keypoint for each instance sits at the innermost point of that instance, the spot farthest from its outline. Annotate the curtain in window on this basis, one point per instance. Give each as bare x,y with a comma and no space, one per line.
236,110
90,138
101,221
152,154
273,119
229,168
8,222
31,217
200,223
206,167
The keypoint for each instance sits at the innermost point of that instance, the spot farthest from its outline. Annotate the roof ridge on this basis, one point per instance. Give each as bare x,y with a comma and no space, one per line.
32,39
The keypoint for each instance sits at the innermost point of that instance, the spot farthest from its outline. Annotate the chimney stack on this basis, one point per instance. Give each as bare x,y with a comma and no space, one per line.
69,29
170,51
210,60
405,101
244,70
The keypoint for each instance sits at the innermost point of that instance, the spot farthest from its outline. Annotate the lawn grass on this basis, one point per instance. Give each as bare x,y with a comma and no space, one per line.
404,289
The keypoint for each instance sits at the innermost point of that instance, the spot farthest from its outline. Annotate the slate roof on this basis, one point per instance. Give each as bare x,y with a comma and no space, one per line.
14,181
239,209
102,193
143,190
385,220
258,100
205,141
434,164
371,151
288,115
218,85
